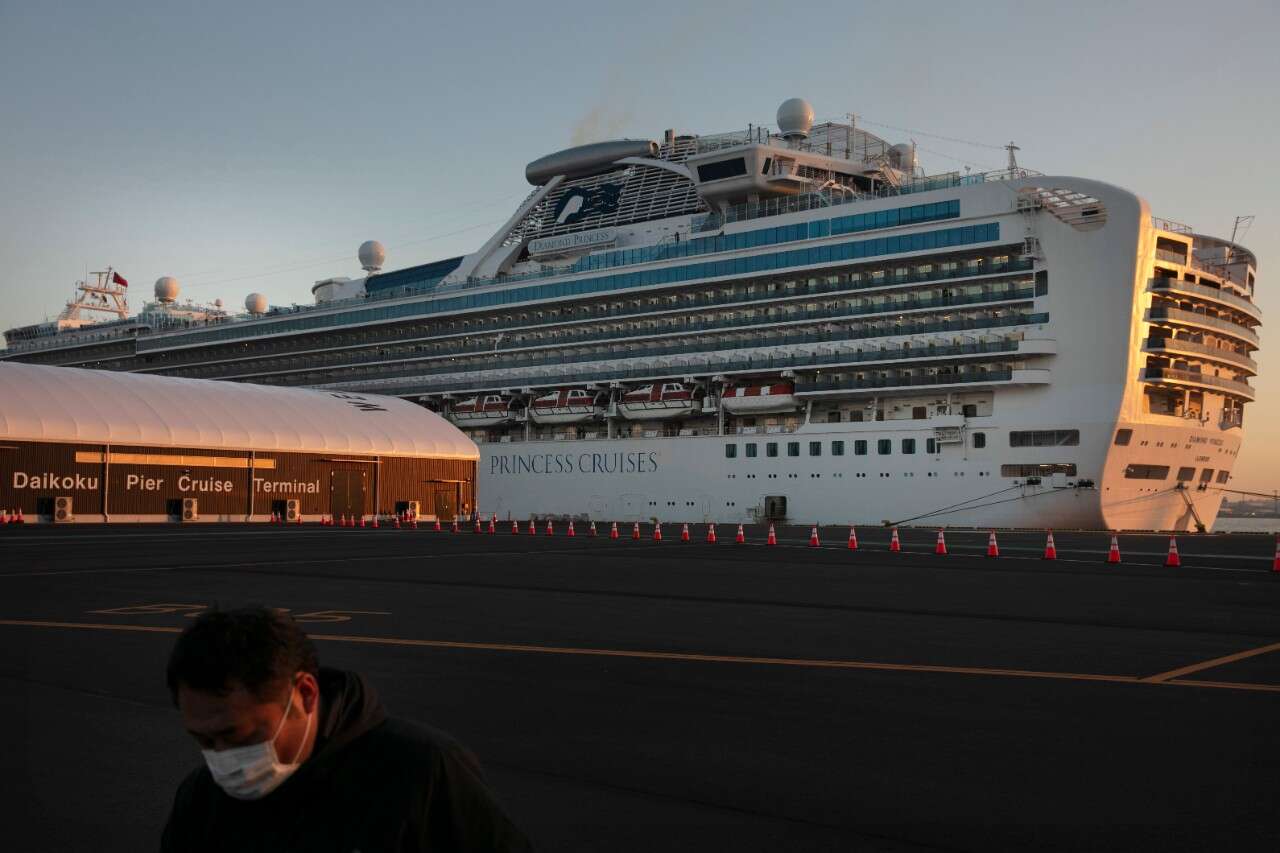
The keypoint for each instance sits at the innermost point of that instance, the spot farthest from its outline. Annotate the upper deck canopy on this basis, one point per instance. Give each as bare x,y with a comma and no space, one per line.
64,404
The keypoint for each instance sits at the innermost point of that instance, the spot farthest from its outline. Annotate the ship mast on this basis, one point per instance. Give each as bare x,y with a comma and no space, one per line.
103,296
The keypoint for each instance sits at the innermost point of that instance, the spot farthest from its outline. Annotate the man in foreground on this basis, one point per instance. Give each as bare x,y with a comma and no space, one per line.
303,758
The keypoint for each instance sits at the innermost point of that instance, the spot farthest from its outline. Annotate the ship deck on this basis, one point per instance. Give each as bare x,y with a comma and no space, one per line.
642,696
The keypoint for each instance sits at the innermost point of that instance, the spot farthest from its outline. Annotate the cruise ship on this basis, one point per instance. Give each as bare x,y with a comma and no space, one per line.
791,324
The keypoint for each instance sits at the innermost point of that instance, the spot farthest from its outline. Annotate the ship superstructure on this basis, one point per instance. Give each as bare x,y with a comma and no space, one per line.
795,323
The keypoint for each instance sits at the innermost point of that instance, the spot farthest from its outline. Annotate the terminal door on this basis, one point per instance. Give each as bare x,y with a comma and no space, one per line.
346,492
446,501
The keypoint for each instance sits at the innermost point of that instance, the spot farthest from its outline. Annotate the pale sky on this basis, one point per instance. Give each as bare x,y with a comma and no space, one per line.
253,146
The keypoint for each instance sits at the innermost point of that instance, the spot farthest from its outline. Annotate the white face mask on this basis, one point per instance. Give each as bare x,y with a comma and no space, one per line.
253,771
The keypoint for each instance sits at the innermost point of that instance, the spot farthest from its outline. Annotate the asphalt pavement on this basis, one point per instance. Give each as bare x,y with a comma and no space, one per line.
635,695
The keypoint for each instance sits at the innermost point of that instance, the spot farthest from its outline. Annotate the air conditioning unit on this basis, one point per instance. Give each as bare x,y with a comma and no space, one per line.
190,509
62,512
292,509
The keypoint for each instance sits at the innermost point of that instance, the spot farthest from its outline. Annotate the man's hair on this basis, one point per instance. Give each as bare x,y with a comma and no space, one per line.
256,647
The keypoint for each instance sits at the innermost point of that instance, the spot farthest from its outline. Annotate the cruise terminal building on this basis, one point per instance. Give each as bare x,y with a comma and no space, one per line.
93,446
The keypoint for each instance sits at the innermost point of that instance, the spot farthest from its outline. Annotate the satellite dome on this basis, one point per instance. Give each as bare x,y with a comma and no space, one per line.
255,303
166,289
217,303
795,117
372,255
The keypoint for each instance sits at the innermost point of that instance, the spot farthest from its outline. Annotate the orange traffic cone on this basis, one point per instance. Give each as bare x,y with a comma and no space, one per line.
571,532
657,531
413,521
684,533
593,530
477,528
741,537
635,532
1113,555
515,527
993,550
853,539
711,533
1050,550
813,537
533,529
299,521
551,530
437,524
4,516
456,528
894,543
941,547
20,520
613,531
1275,564
493,523
397,525
375,520
773,536
1173,561
274,519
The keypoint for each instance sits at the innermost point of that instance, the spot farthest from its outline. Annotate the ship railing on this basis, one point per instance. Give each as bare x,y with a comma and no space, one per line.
937,276
1172,374
675,329
1226,297
1228,355
759,341
1178,315
680,368
853,384
1171,226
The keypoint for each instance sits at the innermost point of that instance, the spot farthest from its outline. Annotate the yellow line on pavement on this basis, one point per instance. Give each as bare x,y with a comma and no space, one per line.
1210,664
809,663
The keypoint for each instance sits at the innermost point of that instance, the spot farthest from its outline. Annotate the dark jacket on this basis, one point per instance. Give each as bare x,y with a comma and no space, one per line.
373,784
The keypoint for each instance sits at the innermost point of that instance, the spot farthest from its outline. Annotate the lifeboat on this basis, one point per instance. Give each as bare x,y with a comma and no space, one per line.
659,401
760,399
567,406
488,410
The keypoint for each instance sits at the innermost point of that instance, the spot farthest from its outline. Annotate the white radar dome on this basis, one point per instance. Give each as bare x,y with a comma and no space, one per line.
255,303
795,117
372,255
166,289
217,303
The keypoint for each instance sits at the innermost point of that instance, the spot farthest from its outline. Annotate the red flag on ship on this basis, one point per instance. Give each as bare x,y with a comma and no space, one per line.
116,278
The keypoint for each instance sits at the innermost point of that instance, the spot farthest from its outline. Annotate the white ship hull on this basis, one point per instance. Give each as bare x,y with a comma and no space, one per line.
689,479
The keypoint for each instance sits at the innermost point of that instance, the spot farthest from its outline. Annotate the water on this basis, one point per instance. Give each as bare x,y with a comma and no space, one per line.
1246,525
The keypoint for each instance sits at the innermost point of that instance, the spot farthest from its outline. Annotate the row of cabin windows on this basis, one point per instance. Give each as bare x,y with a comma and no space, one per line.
884,447
1185,474
1044,438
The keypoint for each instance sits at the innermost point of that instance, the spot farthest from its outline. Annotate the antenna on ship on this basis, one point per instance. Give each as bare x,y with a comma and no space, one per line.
1013,157
1236,229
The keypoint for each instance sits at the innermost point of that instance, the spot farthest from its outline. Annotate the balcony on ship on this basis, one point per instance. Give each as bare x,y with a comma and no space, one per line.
1176,288
1197,320
1177,378
1173,347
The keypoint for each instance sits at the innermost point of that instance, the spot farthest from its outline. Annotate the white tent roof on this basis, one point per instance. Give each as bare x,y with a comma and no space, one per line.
64,404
